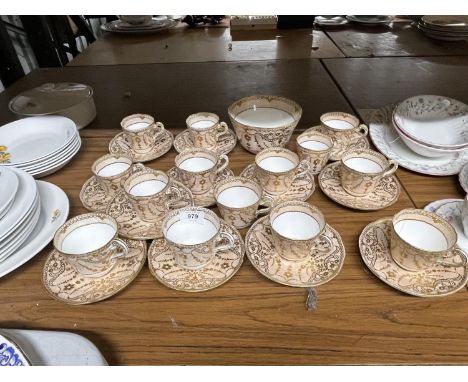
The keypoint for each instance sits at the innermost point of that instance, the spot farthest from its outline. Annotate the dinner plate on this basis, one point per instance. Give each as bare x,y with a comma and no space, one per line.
369,19
54,212
111,27
39,173
8,187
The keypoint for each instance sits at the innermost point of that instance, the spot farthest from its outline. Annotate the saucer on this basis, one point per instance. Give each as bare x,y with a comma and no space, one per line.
432,207
226,143
385,194
121,143
452,212
65,284
374,245
207,199
130,224
313,271
94,197
221,268
339,149
301,188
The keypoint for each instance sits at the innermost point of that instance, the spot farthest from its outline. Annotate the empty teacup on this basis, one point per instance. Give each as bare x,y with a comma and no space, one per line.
238,200
205,129
276,169
422,239
315,148
194,236
343,128
198,168
142,131
90,244
362,170
298,230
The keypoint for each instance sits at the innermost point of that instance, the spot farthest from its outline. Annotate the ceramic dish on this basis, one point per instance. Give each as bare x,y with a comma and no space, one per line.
452,212
226,142
8,186
388,142
315,270
432,207
457,22
115,27
11,354
369,20
463,177
374,245
330,20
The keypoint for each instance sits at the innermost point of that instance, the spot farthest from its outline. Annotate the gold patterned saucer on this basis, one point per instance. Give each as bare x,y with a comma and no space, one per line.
340,148
301,188
207,199
65,284
385,194
131,225
374,245
313,271
221,268
94,197
121,143
226,142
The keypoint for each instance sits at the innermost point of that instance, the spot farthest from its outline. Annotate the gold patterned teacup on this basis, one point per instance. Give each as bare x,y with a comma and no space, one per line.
298,230
343,128
205,129
315,148
152,194
276,169
362,170
238,199
198,168
194,236
422,239
142,131
90,243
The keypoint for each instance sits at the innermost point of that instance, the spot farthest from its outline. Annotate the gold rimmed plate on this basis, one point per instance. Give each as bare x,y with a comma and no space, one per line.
226,143
220,269
319,268
385,194
65,284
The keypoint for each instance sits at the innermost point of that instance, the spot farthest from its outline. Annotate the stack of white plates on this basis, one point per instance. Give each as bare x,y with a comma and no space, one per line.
445,28
31,213
39,145
157,24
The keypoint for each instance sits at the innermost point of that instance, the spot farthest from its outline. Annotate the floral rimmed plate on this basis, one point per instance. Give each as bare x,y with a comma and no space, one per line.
301,188
121,143
131,225
11,354
316,270
226,142
65,284
220,269
374,245
385,194
463,177
452,212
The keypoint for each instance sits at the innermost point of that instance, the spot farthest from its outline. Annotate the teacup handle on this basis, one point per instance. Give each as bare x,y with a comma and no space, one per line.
327,239
462,263
222,129
221,167
266,210
305,165
392,168
116,243
173,190
363,129
137,167
219,247
158,126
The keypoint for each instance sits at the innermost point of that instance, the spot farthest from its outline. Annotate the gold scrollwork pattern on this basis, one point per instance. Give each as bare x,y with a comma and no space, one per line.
226,142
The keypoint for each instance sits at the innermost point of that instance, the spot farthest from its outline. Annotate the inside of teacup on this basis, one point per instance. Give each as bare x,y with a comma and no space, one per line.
146,183
238,196
196,161
190,226
137,122
112,165
85,233
277,160
315,142
364,161
340,121
202,120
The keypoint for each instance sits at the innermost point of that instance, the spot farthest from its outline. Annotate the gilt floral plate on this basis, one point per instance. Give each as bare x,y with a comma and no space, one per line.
452,212
94,197
226,142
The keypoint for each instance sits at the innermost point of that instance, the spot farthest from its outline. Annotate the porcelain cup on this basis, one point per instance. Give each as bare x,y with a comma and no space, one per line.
142,131
277,168
362,170
343,128
464,215
298,230
205,129
90,243
421,240
315,148
194,236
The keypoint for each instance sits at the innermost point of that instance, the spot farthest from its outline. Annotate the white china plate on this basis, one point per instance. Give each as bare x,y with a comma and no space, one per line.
54,212
53,348
22,205
389,143
8,187
30,139
451,211
463,177
369,20
432,207
111,27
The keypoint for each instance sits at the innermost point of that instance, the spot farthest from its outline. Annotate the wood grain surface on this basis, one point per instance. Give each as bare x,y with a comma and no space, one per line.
250,320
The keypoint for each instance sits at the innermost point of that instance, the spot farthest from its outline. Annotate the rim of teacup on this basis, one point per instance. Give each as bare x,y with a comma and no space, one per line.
339,115
145,171
281,149
435,218
194,150
382,158
103,217
117,156
176,212
302,204
305,134
296,116
258,190
206,114
125,122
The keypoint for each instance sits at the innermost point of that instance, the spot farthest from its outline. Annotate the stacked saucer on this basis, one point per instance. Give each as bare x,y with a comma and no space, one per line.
39,145
445,28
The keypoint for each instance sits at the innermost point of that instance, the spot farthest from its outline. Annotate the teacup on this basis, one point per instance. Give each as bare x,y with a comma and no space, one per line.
112,170
298,230
238,199
343,128
205,129
276,169
198,168
90,243
315,148
421,239
194,236
142,131
152,194
464,215
362,170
